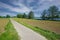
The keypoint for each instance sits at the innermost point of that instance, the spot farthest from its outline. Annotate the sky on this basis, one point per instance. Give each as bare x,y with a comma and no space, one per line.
14,7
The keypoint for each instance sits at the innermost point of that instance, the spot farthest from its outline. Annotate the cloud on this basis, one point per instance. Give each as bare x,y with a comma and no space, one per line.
21,6
50,0
6,13
20,9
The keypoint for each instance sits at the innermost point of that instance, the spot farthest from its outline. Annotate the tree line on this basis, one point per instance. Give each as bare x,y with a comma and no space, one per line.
29,16
51,13
7,16
48,14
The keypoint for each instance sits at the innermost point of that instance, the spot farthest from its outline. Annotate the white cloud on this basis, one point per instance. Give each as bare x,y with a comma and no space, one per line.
50,0
6,13
11,8
46,0
41,5
22,8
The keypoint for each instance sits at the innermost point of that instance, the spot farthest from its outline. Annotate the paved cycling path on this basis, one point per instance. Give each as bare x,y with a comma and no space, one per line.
26,33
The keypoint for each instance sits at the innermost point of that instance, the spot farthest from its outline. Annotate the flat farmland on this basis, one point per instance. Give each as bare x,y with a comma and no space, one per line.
7,30
53,26
3,23
49,29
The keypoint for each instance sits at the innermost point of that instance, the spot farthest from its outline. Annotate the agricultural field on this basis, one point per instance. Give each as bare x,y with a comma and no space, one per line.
7,31
53,26
49,29
3,23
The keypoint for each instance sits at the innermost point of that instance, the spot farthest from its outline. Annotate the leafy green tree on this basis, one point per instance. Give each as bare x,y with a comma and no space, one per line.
44,15
53,10
19,15
7,16
0,16
59,14
31,15
24,15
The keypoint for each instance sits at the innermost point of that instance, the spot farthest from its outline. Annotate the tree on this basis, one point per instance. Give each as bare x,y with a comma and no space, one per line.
31,15
24,15
0,16
56,16
44,14
19,15
53,10
59,14
7,16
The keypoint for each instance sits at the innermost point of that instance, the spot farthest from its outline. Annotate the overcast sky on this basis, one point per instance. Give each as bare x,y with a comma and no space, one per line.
13,7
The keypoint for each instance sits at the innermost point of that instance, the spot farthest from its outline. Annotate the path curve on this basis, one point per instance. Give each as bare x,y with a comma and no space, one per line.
26,33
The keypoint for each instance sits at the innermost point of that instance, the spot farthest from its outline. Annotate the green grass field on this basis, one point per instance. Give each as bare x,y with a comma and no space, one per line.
35,25
9,33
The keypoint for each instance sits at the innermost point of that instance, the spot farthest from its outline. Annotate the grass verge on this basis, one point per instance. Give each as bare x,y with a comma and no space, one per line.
10,33
48,34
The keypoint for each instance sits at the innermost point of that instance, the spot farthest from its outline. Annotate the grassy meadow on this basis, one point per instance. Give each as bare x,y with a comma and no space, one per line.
49,29
7,31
